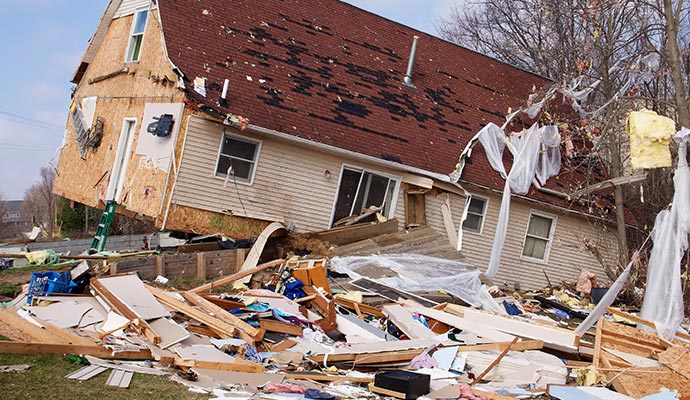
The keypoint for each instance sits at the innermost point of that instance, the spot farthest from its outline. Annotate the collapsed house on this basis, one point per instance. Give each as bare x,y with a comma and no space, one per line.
206,117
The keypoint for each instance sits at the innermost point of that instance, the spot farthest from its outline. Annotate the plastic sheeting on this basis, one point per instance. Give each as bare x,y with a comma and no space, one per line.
663,300
414,272
536,158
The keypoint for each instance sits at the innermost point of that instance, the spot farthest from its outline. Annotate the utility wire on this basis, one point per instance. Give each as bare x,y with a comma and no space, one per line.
29,121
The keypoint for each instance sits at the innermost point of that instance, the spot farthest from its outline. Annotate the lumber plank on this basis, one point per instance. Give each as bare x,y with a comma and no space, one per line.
313,376
244,366
234,277
387,392
353,305
32,348
9,317
280,327
222,314
221,327
122,309
404,321
641,321
552,337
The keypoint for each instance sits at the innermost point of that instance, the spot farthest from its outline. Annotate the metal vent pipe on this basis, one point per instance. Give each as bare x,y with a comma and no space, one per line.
413,53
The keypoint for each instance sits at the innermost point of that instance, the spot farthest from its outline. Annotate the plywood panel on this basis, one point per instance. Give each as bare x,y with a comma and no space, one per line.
151,80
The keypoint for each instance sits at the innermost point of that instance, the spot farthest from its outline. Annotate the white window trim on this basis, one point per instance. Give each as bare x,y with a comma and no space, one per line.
123,155
396,191
223,177
131,33
486,209
552,233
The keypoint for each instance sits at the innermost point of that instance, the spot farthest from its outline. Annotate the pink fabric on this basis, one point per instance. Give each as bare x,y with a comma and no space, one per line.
585,282
273,387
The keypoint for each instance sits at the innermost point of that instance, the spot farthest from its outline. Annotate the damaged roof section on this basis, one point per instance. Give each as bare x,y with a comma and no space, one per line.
297,67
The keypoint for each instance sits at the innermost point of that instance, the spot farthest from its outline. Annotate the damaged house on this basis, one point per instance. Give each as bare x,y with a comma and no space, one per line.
208,116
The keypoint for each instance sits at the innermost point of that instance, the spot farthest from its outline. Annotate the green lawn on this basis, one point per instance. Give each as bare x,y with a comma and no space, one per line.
46,380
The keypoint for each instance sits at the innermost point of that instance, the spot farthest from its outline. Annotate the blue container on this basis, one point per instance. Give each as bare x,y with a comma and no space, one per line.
49,282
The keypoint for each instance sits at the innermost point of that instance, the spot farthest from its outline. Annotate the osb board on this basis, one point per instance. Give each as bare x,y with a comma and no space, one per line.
630,340
650,381
204,222
678,359
119,97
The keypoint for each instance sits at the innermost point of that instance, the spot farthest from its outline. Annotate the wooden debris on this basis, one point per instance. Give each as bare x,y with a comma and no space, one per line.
235,277
121,308
221,327
31,348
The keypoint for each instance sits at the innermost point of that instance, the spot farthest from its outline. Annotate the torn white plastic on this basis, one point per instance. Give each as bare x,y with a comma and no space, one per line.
536,158
416,272
663,300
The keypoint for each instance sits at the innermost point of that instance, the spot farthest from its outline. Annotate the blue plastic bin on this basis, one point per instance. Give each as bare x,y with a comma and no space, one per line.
49,282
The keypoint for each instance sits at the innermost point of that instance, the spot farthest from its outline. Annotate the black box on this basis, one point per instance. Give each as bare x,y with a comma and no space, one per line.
412,384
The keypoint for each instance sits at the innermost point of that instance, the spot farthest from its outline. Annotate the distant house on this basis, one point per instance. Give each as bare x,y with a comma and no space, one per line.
209,116
15,217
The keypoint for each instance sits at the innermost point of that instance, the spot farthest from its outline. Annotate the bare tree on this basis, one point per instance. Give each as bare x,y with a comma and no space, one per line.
40,202
604,44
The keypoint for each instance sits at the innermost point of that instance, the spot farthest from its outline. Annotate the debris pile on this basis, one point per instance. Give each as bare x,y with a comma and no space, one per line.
288,328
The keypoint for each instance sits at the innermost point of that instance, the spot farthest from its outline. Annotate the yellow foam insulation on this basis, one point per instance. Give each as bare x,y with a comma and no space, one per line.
649,137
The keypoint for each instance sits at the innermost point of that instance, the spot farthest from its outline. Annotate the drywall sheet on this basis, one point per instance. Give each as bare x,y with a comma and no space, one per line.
130,290
158,150
204,353
63,314
170,332
95,315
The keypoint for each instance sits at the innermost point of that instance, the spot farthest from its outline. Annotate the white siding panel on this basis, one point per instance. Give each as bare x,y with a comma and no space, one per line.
128,7
290,183
567,255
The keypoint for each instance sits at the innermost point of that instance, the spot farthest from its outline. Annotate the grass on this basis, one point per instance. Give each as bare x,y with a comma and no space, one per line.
46,380
8,290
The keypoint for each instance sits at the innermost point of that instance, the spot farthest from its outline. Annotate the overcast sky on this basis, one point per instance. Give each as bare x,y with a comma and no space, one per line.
43,43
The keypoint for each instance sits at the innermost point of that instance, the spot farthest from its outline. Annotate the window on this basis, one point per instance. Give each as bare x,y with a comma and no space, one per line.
137,37
475,215
361,189
539,236
237,158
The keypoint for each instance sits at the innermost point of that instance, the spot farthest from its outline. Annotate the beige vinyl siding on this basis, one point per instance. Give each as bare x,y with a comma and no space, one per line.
290,184
128,7
567,253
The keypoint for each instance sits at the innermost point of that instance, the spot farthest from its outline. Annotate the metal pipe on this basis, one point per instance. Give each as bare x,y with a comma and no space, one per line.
413,53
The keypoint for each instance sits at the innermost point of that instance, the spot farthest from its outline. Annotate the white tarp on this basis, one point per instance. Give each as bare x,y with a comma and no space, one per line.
414,272
663,300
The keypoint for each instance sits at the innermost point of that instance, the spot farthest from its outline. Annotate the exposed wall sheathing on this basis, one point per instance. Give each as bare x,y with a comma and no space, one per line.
123,96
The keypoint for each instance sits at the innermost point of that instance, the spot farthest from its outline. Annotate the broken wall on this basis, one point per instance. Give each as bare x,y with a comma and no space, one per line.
126,95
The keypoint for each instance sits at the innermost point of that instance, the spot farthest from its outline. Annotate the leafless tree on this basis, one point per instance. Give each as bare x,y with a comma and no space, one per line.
40,202
621,45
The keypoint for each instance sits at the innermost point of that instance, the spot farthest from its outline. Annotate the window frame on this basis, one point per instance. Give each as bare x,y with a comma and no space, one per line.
255,161
362,170
484,210
549,243
130,39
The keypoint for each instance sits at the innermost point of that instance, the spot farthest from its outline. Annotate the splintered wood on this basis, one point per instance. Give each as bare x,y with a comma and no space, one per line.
616,347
